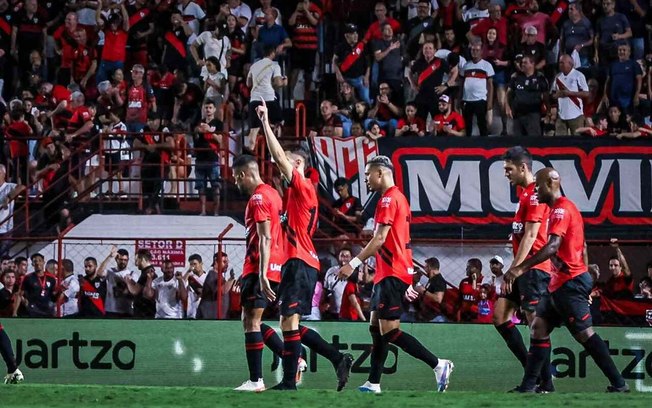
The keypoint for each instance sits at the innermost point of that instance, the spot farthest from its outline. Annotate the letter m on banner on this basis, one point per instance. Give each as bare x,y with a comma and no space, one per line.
346,158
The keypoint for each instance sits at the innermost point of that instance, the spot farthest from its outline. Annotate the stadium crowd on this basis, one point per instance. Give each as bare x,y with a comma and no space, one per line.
117,287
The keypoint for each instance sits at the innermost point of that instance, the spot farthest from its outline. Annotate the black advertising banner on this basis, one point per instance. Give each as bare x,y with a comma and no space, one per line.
456,186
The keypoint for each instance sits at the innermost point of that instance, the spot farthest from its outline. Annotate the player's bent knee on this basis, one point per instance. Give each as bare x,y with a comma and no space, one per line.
584,335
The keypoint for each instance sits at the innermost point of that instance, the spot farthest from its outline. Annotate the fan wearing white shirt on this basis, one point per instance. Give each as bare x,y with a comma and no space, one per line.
168,291
195,278
70,290
215,44
118,302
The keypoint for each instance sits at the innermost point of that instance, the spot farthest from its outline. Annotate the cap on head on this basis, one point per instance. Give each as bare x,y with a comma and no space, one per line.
497,259
444,98
350,29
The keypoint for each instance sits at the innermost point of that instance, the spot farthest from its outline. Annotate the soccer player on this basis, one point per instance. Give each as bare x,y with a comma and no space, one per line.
393,279
529,234
569,289
14,375
265,256
299,273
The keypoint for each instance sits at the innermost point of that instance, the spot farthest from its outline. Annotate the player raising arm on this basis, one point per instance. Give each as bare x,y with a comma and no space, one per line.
299,273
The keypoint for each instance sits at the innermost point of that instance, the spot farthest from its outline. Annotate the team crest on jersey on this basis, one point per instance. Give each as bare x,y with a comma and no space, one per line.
97,285
257,199
385,201
558,213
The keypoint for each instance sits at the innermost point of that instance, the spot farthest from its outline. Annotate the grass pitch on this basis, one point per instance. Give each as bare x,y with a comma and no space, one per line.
77,396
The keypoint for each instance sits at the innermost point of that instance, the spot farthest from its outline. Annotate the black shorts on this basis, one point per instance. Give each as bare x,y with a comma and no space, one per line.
297,286
569,305
304,60
528,289
387,298
274,111
251,297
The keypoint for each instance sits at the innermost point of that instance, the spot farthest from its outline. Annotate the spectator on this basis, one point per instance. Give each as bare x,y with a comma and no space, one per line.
347,209
258,18
239,50
612,30
144,306
115,40
386,110
169,291
84,63
64,45
593,102
316,302
388,56
472,15
8,293
350,63
478,90
305,42
621,282
485,305
433,292
351,308
18,134
532,47
333,287
469,289
411,124
495,53
426,78
195,278
192,14
214,85
118,302
207,308
329,123
207,138
420,28
617,123
496,266
141,27
546,32
450,41
645,288
375,30
216,44
496,21
270,34
92,291
69,291
38,290
636,13
577,34
239,9
139,101
447,122
624,81
526,91
28,33
8,194
176,40
345,106
600,129
264,76
375,132
569,88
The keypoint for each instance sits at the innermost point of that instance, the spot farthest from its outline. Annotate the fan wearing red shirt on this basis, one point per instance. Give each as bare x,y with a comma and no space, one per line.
393,279
299,273
17,134
621,283
350,308
265,256
448,122
65,44
116,34
529,235
84,62
375,31
469,291
570,287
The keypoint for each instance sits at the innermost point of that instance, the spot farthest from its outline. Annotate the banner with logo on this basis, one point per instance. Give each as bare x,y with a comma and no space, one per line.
456,186
190,353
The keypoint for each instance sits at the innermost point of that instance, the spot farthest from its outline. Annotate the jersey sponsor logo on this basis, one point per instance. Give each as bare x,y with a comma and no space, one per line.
517,228
135,105
558,214
385,201
534,200
274,267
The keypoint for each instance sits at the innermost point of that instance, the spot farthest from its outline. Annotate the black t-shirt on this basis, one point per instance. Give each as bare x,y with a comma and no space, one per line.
92,294
358,54
349,206
39,292
436,284
6,305
208,147
144,307
527,92
209,290
148,138
428,79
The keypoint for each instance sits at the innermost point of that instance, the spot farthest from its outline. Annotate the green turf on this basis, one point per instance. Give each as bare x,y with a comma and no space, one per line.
77,396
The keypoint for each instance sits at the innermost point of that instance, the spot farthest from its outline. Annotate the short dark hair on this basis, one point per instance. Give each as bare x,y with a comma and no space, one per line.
614,258
195,257
432,262
35,256
243,161
381,161
91,259
268,50
476,263
213,59
20,259
5,258
649,264
144,254
67,265
123,252
341,181
519,155
345,248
